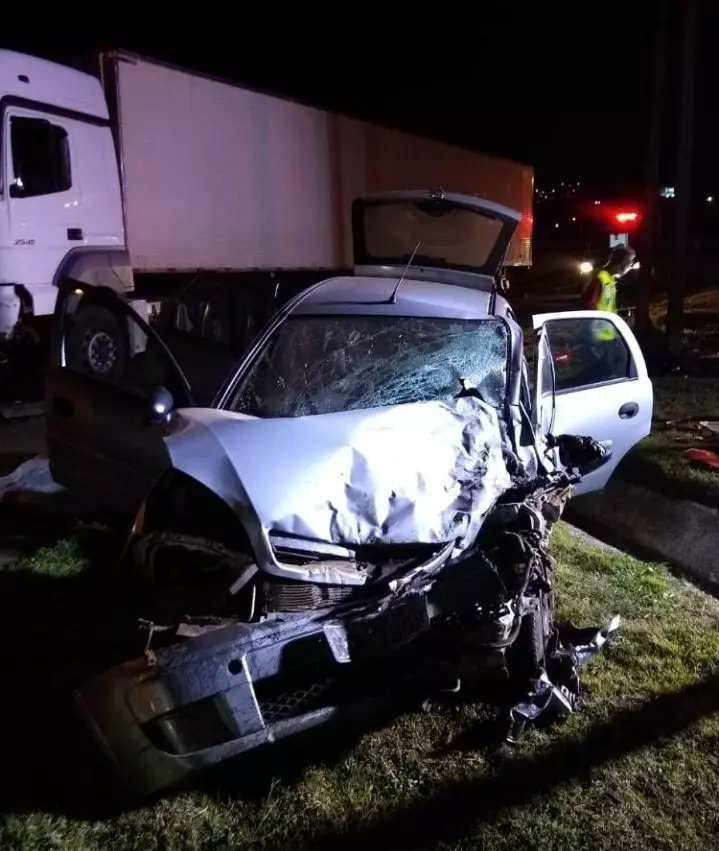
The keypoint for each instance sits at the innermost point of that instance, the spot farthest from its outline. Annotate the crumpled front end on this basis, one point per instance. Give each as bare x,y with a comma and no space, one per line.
217,688
221,688
423,473
388,552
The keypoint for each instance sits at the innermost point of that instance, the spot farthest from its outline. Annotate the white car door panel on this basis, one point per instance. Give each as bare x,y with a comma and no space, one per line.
598,384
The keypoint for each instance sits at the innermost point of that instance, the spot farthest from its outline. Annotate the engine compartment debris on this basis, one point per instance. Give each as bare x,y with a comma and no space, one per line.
209,686
559,695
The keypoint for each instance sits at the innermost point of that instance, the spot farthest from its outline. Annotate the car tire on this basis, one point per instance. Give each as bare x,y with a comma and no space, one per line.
527,657
97,344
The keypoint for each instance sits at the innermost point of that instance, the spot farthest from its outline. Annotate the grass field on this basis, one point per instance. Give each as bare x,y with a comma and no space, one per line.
637,768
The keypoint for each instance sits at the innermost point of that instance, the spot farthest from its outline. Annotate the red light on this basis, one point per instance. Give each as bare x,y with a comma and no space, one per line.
624,218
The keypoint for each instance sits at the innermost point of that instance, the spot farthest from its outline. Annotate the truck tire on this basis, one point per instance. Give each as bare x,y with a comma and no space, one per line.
97,344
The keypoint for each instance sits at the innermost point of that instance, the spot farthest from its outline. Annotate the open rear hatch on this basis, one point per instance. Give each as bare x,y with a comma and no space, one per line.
436,230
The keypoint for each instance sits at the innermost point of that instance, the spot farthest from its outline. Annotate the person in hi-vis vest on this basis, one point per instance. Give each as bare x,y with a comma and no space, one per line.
601,294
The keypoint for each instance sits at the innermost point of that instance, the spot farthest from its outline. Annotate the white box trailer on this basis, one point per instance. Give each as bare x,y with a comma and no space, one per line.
216,176
147,176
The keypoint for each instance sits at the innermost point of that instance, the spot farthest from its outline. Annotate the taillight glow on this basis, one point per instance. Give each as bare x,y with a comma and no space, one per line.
624,218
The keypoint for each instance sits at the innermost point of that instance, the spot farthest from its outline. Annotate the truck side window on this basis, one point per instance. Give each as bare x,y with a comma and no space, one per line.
40,157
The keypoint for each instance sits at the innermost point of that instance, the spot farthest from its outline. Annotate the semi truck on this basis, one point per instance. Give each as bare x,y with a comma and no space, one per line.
145,177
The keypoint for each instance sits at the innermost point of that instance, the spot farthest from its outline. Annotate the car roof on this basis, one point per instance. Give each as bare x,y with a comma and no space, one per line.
367,295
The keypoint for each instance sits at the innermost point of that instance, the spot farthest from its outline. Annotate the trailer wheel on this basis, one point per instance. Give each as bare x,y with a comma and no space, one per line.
97,344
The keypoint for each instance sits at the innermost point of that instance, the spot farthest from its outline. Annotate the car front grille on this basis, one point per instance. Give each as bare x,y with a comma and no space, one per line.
303,596
293,702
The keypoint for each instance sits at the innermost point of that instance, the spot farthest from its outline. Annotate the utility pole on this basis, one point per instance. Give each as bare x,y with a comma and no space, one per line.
677,281
651,222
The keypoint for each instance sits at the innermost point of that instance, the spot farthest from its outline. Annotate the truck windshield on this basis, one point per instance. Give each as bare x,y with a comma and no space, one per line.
327,364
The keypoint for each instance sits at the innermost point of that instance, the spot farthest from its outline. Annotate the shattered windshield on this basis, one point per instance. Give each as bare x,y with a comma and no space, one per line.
326,364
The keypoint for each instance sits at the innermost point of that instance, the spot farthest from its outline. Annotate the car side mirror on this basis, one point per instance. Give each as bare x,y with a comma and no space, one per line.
603,456
16,188
583,454
161,406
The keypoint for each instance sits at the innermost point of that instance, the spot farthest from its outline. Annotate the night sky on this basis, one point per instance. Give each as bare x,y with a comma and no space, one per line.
562,87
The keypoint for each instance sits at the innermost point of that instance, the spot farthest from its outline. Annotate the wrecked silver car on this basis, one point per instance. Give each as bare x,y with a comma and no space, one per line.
364,507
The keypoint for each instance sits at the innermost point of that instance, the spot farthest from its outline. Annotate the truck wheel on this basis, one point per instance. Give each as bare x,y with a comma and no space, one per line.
97,344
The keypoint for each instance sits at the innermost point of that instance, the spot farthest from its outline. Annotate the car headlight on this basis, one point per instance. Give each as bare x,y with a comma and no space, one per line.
586,268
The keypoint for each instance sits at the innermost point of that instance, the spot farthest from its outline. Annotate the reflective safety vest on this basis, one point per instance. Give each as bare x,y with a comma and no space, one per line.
608,302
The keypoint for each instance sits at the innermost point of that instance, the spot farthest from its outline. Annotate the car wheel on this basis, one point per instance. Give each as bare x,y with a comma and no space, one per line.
97,344
182,575
191,549
528,655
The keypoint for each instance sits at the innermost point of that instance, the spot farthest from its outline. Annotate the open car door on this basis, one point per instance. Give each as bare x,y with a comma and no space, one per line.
106,366
591,379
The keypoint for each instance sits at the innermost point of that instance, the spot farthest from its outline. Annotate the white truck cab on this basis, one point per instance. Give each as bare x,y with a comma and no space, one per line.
61,210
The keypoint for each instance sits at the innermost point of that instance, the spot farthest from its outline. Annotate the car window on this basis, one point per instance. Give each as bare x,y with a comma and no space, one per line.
325,364
433,232
102,342
587,351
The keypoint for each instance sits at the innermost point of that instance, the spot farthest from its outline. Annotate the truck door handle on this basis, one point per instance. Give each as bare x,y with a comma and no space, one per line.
63,407
75,234
629,410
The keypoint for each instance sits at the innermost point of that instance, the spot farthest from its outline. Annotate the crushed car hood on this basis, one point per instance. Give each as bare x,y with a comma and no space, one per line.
416,473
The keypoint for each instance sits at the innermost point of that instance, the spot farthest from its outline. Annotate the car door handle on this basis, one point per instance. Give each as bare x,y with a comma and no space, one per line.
63,407
75,234
629,410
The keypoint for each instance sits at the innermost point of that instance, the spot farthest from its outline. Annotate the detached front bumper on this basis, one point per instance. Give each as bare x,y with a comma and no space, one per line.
230,690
